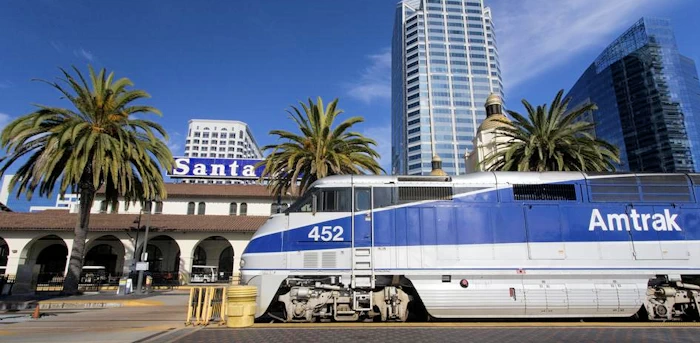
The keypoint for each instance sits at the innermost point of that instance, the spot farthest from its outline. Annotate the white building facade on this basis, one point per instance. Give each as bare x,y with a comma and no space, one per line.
230,139
196,225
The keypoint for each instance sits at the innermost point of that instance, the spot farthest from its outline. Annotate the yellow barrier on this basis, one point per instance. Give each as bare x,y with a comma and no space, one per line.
206,304
241,306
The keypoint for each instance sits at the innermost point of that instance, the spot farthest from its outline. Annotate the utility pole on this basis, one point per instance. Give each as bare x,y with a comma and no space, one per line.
144,251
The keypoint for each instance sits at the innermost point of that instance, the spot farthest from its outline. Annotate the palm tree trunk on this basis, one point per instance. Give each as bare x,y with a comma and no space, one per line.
87,196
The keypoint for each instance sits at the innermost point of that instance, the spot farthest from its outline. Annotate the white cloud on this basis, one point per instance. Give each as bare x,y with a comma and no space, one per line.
174,143
4,120
381,135
534,36
84,54
375,81
58,46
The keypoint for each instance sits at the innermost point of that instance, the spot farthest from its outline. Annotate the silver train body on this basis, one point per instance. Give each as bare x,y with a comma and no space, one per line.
484,245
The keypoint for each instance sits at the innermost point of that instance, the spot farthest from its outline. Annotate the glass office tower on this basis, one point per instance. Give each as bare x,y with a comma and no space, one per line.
648,99
444,66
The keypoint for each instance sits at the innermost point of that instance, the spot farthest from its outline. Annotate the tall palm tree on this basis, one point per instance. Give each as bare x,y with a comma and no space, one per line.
97,144
551,139
320,150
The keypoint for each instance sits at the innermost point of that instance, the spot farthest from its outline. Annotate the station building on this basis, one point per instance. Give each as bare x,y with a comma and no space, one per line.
198,224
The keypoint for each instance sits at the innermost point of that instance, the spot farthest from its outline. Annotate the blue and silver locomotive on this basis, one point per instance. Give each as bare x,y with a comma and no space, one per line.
483,245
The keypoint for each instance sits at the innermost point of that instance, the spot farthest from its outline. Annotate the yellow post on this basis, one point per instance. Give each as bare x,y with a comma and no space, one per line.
199,306
224,304
188,321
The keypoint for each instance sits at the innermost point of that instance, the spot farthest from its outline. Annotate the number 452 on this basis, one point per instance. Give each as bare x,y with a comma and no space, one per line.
327,233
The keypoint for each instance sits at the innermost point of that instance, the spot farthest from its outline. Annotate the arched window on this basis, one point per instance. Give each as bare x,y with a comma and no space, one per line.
244,209
103,206
201,208
233,209
190,208
159,207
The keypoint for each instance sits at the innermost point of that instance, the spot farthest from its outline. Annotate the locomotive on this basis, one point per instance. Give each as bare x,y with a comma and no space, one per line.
482,245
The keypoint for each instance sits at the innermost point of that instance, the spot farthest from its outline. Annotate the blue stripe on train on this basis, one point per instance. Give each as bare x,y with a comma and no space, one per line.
447,223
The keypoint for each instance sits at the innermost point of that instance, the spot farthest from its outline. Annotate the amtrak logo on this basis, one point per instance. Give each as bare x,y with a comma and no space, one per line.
634,220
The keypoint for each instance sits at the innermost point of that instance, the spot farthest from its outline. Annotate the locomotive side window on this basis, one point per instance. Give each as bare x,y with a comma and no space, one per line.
334,200
384,196
362,199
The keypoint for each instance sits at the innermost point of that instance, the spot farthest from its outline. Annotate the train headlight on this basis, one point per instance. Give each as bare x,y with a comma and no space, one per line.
242,264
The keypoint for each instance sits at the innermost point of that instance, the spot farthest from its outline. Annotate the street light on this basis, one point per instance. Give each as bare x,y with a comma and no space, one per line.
144,251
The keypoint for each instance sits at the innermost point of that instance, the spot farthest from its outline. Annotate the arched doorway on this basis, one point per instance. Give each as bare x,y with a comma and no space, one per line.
163,259
226,263
4,252
52,259
215,251
106,251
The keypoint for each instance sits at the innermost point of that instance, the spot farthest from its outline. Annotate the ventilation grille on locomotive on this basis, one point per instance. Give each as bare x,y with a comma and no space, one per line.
641,188
544,192
411,194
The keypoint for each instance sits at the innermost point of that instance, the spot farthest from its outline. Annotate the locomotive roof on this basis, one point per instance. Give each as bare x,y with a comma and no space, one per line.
492,178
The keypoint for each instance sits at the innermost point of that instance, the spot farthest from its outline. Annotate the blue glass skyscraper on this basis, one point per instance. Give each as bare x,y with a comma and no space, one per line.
444,66
648,99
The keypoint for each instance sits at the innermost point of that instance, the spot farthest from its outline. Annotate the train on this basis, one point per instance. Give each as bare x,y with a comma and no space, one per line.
482,245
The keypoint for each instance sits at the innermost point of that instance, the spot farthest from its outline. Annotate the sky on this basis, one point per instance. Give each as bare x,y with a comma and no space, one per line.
252,60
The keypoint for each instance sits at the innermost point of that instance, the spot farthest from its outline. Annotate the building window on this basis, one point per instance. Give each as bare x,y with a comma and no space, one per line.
147,206
244,209
201,208
232,209
190,208
159,207
103,206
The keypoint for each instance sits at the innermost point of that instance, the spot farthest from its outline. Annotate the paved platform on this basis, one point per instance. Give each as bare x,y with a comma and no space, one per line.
122,324
100,300
515,333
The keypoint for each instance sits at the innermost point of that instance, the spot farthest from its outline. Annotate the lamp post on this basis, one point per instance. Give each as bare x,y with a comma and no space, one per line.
144,251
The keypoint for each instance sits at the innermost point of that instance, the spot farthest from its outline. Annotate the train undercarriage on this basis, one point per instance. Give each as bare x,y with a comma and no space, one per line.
327,298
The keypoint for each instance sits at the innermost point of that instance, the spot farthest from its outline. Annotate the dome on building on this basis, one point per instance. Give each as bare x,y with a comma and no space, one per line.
493,99
493,122
494,113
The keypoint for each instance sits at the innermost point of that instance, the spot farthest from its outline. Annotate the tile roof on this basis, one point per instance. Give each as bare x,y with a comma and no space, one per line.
61,220
214,191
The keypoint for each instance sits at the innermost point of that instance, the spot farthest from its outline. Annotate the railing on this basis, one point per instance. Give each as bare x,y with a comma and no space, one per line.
205,305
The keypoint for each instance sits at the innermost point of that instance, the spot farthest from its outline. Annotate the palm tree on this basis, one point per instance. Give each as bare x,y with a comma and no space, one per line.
320,150
97,144
551,140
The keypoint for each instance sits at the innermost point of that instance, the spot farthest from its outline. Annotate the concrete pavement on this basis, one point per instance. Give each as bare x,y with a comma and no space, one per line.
163,313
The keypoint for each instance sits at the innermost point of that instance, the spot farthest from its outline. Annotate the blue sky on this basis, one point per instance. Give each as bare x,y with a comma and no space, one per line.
251,60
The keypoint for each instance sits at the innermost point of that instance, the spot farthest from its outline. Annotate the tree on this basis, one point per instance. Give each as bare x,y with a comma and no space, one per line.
97,144
551,139
319,151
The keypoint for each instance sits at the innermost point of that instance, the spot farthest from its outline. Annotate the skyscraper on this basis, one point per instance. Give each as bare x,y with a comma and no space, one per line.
444,66
648,99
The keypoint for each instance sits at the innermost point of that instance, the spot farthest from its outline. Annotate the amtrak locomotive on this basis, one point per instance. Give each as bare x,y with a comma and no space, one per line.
484,245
